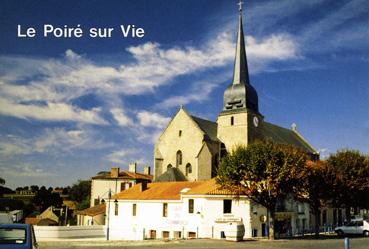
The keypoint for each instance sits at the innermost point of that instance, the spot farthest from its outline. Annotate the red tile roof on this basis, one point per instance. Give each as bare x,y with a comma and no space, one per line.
209,187
32,220
156,191
93,211
124,175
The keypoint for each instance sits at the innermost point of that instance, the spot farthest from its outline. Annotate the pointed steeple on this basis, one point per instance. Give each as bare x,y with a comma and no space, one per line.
240,73
240,95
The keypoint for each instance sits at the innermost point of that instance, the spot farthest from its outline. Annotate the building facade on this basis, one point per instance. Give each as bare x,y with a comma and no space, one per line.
200,209
116,181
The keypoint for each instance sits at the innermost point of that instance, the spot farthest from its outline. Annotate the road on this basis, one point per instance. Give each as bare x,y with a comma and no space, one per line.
355,243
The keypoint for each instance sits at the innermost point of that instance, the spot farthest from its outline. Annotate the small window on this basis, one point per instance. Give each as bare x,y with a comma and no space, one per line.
180,133
130,185
134,209
179,158
116,208
190,206
122,186
165,209
227,206
188,169
232,120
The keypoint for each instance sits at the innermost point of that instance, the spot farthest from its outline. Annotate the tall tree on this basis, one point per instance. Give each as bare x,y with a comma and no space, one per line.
265,172
317,183
2,181
352,170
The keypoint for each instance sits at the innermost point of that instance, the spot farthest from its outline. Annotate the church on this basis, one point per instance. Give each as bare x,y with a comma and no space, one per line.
190,148
184,201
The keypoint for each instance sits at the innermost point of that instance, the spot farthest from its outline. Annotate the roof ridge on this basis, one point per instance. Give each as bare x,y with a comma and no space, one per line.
192,116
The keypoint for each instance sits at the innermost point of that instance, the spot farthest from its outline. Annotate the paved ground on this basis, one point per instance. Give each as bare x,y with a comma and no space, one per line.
355,243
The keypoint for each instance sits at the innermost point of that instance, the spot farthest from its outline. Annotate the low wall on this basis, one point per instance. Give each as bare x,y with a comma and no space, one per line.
69,232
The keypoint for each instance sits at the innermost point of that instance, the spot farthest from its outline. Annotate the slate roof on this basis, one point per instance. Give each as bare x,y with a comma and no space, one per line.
157,191
268,132
171,175
285,136
123,175
208,127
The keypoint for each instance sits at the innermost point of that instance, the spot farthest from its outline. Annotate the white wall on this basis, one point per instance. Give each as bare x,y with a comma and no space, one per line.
149,216
67,232
100,188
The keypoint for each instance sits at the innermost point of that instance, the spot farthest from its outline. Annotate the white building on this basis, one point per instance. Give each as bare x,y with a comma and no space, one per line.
116,181
111,182
184,210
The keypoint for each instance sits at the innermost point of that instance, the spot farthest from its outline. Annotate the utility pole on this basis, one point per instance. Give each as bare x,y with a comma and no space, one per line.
107,229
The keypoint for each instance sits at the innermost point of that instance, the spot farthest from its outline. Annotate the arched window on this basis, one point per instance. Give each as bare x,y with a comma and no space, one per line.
232,120
169,166
179,158
188,169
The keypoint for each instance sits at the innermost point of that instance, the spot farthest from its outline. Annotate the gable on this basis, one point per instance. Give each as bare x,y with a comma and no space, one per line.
184,122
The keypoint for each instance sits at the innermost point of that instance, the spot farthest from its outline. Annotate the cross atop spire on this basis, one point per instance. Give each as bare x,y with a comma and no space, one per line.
240,3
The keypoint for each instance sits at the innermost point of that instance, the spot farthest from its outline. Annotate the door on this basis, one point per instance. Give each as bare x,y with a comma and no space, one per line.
152,234
264,231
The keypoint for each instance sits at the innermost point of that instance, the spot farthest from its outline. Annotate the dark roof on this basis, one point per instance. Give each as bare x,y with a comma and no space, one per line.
285,136
269,132
123,175
208,127
171,175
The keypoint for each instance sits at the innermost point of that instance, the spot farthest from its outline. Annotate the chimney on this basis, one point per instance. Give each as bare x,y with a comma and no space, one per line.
147,170
132,167
143,186
114,173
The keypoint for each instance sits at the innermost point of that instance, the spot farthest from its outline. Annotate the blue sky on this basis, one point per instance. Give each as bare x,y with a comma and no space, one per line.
71,107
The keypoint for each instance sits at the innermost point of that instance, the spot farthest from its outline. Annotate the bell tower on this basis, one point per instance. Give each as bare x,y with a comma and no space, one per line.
239,122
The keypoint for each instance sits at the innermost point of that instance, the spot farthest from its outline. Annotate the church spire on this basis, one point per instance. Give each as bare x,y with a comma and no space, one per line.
240,95
240,73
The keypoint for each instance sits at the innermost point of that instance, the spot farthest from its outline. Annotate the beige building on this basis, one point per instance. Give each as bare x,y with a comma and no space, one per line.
190,147
115,181
92,216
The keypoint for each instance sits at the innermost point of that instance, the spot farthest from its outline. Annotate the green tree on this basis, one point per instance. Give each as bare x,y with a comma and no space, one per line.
265,172
80,192
2,181
352,171
44,199
34,188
